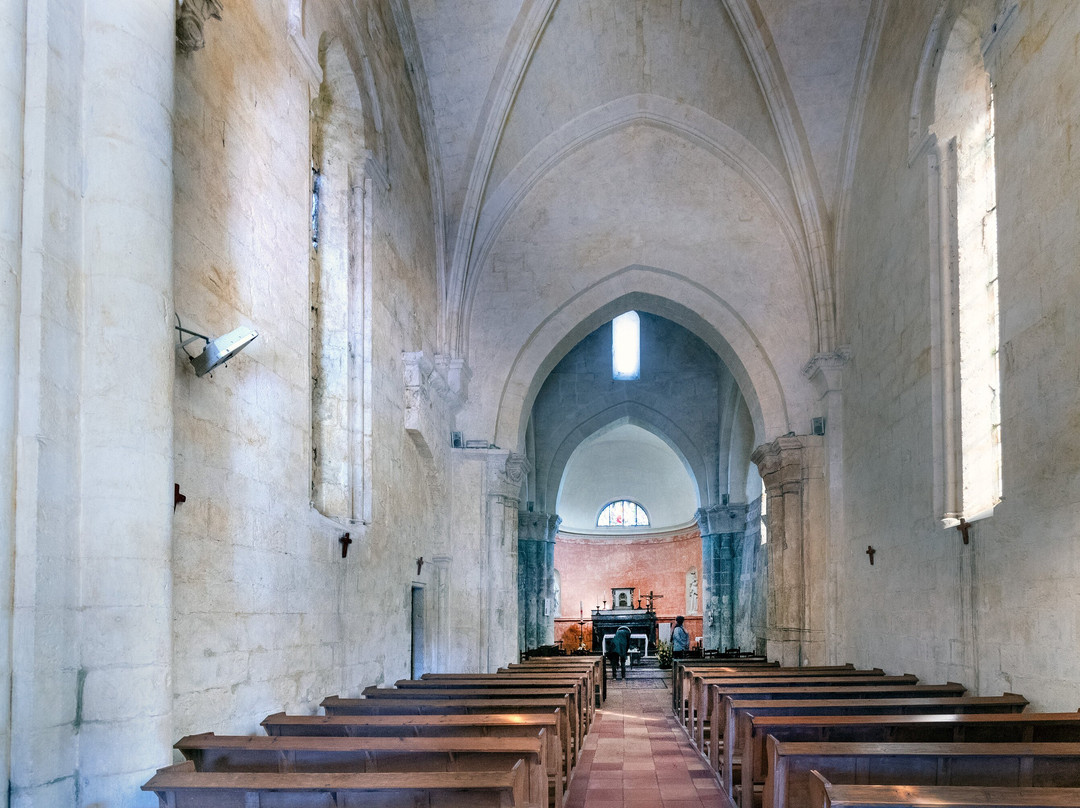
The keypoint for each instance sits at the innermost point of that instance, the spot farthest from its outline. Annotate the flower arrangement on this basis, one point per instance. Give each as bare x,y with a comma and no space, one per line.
663,654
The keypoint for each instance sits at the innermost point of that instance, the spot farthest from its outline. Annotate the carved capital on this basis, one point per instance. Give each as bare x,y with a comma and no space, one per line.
720,519
784,455
457,375
506,472
538,526
191,16
429,382
825,370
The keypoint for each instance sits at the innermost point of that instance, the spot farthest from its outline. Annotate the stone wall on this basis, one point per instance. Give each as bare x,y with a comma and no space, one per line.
158,183
268,614
1001,612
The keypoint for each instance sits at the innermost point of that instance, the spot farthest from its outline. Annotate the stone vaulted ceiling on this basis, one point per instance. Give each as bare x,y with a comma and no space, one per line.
694,152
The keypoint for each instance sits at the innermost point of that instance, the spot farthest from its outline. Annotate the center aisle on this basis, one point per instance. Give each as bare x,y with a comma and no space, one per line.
637,756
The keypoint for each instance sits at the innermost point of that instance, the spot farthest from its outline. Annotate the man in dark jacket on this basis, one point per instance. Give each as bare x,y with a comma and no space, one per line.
617,649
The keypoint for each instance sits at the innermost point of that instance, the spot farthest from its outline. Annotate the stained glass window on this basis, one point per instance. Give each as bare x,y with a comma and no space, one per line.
623,513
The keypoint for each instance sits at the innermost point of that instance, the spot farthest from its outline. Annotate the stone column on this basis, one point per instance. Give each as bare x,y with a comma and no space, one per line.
722,529
536,577
791,467
505,474
126,397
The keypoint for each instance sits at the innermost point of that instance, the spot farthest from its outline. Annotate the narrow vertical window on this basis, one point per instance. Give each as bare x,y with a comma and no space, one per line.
626,347
340,292
764,514
970,381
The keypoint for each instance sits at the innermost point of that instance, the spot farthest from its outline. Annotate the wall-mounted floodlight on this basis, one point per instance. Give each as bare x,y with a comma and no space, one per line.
217,351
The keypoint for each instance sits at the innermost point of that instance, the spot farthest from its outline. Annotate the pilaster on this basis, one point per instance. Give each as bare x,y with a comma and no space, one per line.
505,472
791,467
126,397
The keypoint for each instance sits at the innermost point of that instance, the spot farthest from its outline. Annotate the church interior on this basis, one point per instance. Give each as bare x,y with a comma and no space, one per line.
346,341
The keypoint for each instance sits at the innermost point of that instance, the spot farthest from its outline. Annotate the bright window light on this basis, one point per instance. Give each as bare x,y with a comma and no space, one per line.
623,513
626,347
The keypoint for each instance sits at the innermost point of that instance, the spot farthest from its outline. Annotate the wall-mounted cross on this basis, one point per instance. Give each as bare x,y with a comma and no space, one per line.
345,542
963,527
419,564
870,552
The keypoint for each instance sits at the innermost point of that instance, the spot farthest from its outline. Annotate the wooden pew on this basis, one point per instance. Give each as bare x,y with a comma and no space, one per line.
334,706
954,728
569,698
934,764
735,709
691,677
687,674
288,754
594,665
488,725
677,666
579,683
709,688
824,794
794,693
180,786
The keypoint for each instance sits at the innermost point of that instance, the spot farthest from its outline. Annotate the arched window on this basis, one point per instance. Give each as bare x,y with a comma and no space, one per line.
622,513
965,223
340,289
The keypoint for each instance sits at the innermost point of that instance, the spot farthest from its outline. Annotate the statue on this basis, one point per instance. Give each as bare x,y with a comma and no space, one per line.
692,592
557,594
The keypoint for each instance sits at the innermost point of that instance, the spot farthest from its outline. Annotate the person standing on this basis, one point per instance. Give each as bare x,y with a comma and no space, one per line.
680,640
618,648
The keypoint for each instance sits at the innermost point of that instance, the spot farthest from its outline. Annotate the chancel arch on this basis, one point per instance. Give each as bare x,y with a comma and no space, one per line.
658,292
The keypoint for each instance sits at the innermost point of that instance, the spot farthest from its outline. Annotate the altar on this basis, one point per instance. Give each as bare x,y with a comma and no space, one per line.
605,622
641,622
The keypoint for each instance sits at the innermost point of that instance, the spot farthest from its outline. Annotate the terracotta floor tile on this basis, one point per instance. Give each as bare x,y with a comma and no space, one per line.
639,756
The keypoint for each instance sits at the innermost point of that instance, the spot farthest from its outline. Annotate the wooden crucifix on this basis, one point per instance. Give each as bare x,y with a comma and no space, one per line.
870,552
651,596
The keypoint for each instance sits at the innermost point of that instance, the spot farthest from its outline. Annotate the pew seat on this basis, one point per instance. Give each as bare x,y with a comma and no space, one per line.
828,795
181,786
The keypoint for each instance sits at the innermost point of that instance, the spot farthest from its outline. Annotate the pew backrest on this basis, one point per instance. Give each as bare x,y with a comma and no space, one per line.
734,710
946,728
260,753
180,786
940,764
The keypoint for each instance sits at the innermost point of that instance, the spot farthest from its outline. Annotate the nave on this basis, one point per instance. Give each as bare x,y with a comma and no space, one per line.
729,731
638,755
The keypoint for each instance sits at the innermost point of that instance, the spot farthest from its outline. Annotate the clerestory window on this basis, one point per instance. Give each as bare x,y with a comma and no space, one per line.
626,347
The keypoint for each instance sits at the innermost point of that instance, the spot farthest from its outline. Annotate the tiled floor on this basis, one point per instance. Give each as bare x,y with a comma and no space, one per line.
637,756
